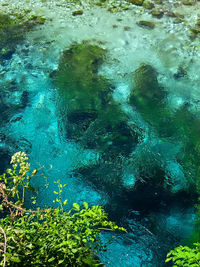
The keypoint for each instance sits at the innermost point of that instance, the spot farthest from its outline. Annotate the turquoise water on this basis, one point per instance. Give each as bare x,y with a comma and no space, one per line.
145,190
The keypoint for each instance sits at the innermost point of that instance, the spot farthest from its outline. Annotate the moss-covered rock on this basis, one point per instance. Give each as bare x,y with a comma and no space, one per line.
127,28
181,72
157,13
148,4
195,30
13,31
136,2
77,12
111,133
147,92
188,3
78,81
146,24
89,112
148,97
170,14
188,129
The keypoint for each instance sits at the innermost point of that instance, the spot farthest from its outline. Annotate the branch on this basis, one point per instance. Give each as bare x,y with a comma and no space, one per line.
9,205
106,229
24,210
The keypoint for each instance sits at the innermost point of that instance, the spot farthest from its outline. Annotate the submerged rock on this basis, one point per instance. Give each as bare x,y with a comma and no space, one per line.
147,95
148,5
88,109
83,92
110,133
183,126
136,2
77,12
188,3
146,24
157,13
170,14
105,177
78,80
188,129
13,31
181,72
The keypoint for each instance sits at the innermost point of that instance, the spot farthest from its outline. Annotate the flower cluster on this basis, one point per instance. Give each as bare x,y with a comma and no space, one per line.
20,159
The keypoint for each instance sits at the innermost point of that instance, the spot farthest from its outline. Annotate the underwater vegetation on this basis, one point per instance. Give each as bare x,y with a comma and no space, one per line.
13,31
129,171
182,126
91,116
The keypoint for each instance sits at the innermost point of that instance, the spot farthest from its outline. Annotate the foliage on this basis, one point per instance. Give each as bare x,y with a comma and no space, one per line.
18,177
185,256
51,237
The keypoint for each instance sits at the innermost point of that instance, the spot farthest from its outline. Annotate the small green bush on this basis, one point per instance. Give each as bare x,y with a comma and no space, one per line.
185,256
51,237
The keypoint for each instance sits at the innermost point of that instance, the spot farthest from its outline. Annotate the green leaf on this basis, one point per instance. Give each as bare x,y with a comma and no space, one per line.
51,259
76,206
53,236
85,205
8,255
65,202
15,259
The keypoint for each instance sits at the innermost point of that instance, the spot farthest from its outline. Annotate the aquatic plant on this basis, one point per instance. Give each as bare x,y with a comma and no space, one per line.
46,237
148,96
13,31
150,99
90,114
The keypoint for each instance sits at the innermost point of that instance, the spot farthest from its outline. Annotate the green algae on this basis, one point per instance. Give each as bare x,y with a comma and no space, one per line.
13,31
187,126
5,20
90,114
146,24
79,84
148,5
181,126
111,133
148,95
136,2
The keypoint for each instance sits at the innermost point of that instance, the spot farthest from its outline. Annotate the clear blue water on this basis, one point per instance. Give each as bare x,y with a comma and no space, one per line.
156,220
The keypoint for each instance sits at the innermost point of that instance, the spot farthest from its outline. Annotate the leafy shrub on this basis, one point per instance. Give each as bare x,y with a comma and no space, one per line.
51,237
185,256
